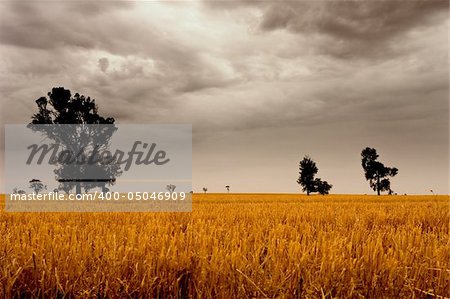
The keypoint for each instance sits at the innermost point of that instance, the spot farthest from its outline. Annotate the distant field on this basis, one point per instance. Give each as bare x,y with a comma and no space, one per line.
235,246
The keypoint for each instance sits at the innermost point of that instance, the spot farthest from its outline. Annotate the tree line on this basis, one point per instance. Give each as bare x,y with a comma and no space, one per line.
375,172
62,108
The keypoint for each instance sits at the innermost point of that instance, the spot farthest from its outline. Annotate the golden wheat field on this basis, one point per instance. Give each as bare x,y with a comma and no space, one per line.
234,246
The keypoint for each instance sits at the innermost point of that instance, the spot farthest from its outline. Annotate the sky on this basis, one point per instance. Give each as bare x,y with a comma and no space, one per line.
263,83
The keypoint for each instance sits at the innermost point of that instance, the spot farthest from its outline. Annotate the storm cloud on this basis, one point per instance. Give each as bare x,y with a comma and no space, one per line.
263,83
354,28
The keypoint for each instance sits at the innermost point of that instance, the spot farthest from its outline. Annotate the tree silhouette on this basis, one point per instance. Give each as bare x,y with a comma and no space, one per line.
18,191
37,185
375,172
322,186
310,184
308,170
228,188
61,108
205,189
171,188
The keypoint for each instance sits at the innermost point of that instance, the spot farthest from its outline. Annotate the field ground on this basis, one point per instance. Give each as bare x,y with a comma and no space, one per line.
235,246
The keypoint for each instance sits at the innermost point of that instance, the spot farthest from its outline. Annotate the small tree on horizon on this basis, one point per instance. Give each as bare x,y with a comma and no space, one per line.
308,170
228,188
18,191
205,189
322,186
37,186
171,188
310,184
375,172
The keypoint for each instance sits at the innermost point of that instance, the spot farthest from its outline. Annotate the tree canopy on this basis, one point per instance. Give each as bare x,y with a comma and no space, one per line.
375,172
60,108
307,172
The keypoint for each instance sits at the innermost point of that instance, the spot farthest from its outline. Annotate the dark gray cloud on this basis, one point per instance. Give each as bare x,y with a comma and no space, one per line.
262,82
349,29
148,65
234,5
365,20
95,8
50,25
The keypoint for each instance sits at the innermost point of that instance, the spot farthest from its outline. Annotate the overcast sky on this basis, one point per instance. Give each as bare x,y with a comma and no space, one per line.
263,83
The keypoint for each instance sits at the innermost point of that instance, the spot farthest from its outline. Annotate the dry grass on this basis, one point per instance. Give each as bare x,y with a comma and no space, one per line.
234,246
